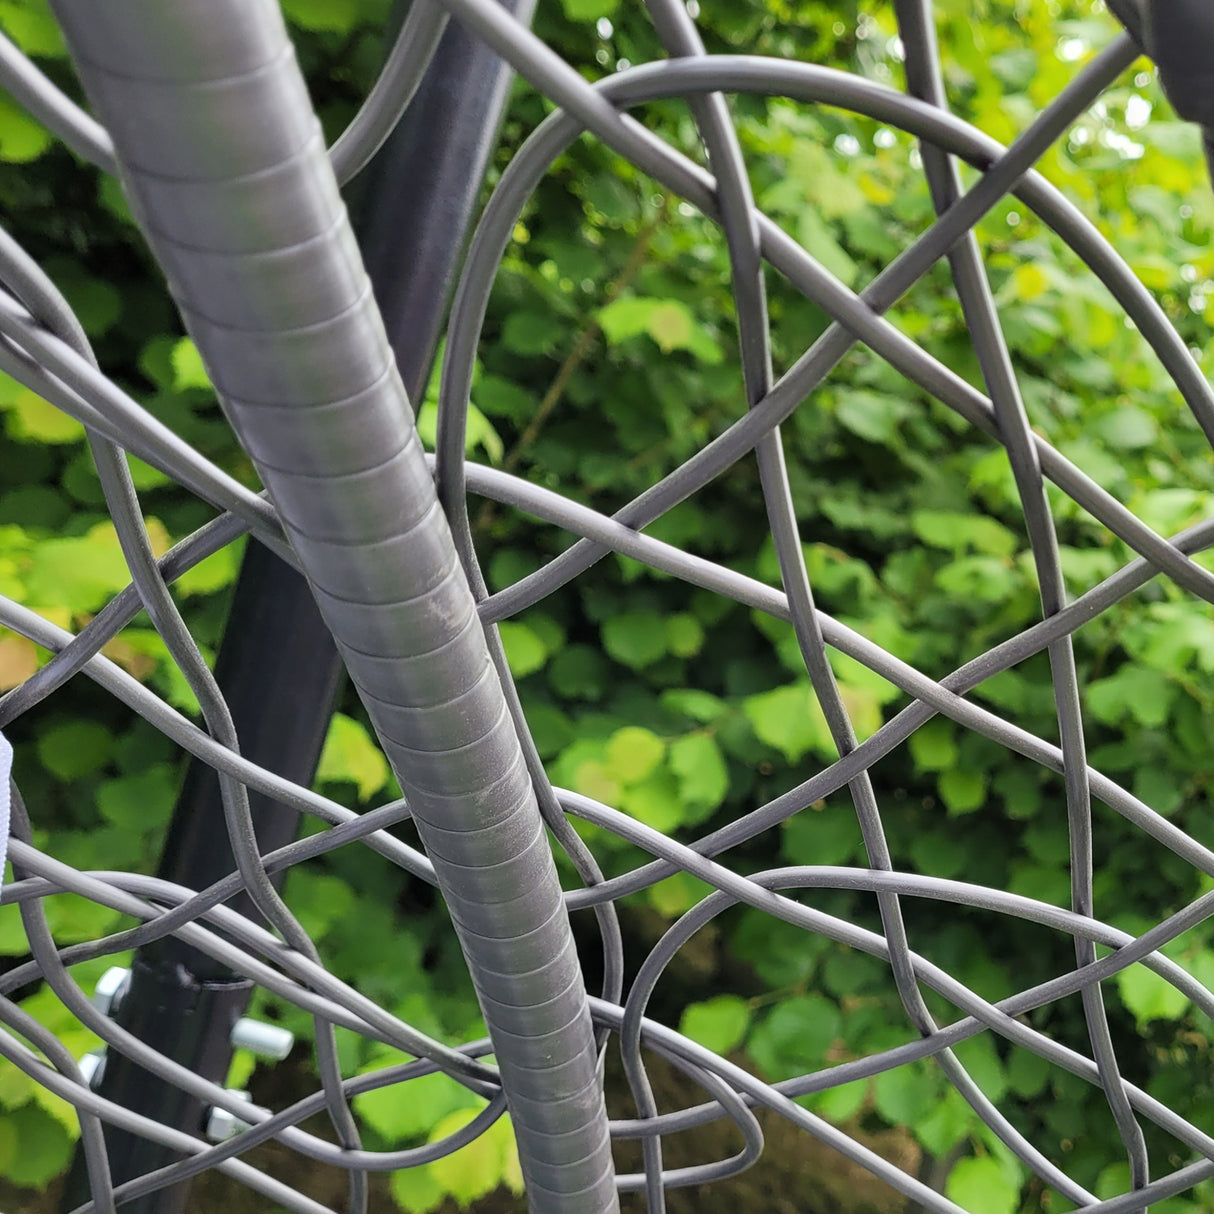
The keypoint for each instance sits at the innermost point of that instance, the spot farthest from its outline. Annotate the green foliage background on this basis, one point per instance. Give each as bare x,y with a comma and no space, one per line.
609,356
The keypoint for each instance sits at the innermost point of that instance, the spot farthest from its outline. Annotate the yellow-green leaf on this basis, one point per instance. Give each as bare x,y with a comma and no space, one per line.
350,754
35,420
634,752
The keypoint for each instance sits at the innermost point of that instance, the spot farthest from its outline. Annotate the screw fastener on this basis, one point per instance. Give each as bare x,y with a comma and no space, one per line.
111,990
222,1125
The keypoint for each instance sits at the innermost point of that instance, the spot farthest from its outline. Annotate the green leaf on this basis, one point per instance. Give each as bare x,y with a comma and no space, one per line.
980,1183
625,317
1135,691
16,1087
74,748
550,728
97,304
1126,429
144,476
73,918
33,419
319,900
240,1069
634,752
524,650
906,1094
478,432
957,532
703,777
533,333
719,1023
32,26
821,245
979,1057
677,894
1045,882
188,369
635,638
22,139
984,579
44,1147
498,397
863,709
1148,996
933,747
13,940
684,635
579,672
846,972
481,434
669,323
216,572
795,1036
1027,1073
595,779
788,719
350,754
822,834
589,10
655,801
400,1113
945,1125
79,573
1015,68
139,802
332,16
962,791
1162,788
416,1190
62,1111
839,1104
112,199
551,635
475,1169
697,705
8,1146
614,199
871,415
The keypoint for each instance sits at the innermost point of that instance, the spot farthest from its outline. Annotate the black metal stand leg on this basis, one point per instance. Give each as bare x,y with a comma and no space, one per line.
276,651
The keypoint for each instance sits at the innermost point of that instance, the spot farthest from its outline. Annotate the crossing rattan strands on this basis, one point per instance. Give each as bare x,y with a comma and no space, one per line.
246,221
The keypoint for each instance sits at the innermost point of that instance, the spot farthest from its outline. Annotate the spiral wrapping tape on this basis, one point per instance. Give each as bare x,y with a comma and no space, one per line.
202,109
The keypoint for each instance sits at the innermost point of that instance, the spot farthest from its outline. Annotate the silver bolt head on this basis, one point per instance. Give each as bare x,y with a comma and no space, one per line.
264,1040
111,989
222,1125
92,1066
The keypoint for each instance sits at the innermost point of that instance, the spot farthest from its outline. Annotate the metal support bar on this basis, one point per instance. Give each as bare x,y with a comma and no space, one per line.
1179,36
276,651
412,224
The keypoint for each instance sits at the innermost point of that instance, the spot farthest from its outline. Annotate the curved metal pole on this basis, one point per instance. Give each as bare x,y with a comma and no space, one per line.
223,162
416,201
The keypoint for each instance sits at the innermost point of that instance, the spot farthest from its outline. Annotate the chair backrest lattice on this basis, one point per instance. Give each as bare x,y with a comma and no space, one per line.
247,223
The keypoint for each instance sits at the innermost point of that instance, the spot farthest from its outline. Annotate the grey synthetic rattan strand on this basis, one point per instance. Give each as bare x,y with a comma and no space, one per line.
160,78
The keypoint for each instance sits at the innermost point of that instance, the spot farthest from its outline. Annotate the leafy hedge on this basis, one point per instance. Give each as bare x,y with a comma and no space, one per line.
609,355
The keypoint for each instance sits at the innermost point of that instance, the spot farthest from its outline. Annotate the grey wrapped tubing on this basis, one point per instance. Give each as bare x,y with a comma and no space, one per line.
204,102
